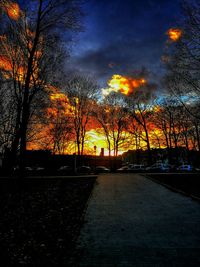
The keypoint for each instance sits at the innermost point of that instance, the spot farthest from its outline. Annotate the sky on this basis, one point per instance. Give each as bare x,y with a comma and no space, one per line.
122,37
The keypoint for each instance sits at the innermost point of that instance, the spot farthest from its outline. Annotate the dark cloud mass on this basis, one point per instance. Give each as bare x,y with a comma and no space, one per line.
121,37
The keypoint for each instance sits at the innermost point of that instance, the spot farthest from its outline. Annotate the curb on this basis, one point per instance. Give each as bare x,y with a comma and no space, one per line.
51,177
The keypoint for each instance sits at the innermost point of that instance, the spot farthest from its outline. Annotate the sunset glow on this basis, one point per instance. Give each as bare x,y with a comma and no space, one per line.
59,101
96,138
5,63
11,70
123,84
58,96
72,116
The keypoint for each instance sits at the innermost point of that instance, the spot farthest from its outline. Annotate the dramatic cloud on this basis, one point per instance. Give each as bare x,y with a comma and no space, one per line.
122,36
118,58
123,84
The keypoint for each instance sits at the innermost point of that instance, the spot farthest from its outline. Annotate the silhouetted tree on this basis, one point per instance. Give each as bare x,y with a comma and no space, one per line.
183,63
31,45
82,92
140,109
112,115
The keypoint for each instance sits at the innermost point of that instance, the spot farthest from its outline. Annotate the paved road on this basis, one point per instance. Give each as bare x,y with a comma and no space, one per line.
132,221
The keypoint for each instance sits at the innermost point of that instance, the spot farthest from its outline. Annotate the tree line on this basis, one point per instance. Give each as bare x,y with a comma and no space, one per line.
32,57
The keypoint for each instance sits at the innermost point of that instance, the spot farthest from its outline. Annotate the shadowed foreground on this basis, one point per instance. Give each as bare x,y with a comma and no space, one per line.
40,219
132,221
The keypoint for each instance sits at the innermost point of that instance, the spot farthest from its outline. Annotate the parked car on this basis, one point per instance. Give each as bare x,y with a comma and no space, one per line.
158,167
185,168
100,169
123,169
65,170
136,168
36,170
29,169
84,169
39,170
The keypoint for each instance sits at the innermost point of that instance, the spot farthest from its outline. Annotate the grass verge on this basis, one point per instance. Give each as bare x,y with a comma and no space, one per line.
186,183
41,219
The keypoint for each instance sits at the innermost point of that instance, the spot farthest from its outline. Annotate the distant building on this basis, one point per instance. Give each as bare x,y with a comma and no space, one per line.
102,152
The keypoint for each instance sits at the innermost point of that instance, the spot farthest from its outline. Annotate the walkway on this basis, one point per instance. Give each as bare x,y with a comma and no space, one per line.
132,221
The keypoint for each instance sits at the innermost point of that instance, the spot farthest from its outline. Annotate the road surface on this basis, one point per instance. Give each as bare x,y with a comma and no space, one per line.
132,221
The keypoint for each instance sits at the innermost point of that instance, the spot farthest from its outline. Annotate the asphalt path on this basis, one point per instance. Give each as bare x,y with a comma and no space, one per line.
132,221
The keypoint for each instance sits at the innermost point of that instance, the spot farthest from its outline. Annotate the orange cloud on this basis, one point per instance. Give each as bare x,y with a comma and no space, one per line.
13,10
123,84
174,34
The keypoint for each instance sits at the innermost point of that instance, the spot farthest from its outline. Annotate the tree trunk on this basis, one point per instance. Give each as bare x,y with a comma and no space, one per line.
168,147
23,140
16,141
148,146
78,147
82,145
198,137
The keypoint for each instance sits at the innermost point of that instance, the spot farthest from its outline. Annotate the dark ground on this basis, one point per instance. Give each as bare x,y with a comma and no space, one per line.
40,219
188,183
